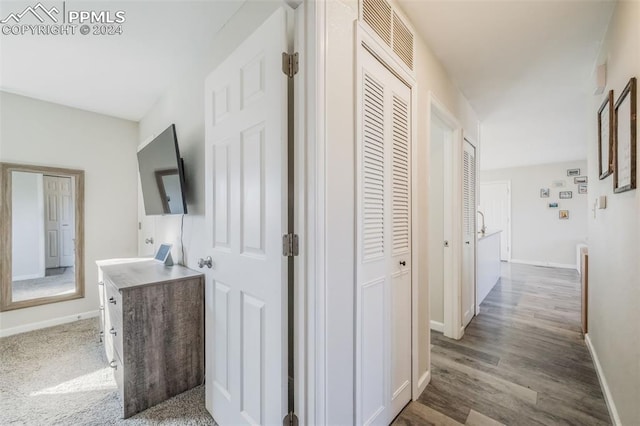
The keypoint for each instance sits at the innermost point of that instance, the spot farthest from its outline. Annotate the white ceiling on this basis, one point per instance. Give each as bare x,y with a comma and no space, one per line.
525,67
118,75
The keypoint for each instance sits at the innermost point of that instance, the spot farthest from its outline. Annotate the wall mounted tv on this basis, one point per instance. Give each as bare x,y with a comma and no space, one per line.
162,175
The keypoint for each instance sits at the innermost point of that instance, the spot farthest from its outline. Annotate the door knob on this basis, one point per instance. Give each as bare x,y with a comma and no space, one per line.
208,262
148,240
466,242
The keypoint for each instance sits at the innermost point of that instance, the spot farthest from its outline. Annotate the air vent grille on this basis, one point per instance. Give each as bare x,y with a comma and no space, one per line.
402,41
387,23
377,13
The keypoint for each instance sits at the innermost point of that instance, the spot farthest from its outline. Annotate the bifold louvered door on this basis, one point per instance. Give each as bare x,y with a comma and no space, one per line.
468,231
383,245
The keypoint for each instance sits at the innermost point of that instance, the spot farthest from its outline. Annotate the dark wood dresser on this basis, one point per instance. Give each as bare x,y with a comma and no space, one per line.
152,326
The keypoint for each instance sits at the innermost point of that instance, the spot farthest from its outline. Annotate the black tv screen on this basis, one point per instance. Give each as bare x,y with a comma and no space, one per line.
162,175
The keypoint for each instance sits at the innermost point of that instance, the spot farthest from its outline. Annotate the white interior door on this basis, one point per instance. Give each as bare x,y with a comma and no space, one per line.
59,222
67,222
495,203
383,348
468,231
51,222
246,215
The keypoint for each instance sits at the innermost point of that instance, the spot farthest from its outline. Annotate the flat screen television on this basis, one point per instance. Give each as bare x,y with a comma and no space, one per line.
162,175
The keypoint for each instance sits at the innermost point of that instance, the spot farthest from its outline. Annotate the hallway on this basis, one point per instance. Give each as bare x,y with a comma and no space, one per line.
522,360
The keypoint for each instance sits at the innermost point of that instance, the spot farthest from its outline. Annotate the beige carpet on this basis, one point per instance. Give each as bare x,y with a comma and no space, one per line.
60,376
50,285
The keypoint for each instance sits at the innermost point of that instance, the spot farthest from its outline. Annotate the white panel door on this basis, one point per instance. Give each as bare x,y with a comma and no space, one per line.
67,222
246,216
51,222
59,222
383,346
468,232
495,203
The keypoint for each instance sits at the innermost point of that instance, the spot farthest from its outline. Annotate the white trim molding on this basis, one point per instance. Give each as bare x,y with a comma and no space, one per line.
48,323
613,411
436,326
544,264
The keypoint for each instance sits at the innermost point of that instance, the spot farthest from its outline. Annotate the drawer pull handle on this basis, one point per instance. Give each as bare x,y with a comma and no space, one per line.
113,364
113,331
100,282
112,300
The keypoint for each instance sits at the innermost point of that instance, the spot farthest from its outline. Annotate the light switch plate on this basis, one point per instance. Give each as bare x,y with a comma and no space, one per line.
602,202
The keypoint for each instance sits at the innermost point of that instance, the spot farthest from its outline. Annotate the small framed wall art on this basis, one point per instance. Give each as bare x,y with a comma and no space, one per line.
563,214
605,136
582,188
553,205
573,172
564,195
544,192
624,140
580,179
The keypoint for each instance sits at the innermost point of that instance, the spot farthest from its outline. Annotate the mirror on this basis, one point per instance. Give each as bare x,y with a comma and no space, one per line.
42,234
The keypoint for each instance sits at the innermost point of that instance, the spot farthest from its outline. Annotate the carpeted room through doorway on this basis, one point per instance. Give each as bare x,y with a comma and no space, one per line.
60,376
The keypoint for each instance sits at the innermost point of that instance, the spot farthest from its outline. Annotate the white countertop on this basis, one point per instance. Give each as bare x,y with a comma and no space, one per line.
489,233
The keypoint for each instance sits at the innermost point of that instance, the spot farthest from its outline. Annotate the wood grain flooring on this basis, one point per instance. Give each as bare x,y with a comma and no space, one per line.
522,360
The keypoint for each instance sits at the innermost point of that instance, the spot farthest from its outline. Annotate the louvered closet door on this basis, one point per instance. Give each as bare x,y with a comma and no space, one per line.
384,240
468,231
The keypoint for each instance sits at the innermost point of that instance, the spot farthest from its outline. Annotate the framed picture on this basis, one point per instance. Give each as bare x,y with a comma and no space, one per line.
624,140
553,205
605,136
558,183
544,193
563,214
582,188
573,172
566,195
580,179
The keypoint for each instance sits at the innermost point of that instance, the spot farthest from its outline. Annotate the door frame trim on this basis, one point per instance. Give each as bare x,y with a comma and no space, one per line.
452,292
310,269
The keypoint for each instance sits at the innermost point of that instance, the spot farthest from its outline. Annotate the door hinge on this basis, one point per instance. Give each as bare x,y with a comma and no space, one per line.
290,64
290,419
290,245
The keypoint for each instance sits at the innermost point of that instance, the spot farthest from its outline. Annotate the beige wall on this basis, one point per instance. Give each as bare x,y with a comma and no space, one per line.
43,133
340,195
614,235
538,236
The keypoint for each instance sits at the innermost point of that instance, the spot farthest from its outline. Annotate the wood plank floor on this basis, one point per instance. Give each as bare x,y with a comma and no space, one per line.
522,360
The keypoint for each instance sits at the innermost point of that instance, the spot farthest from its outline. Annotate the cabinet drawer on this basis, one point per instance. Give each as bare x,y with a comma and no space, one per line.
115,362
113,296
114,338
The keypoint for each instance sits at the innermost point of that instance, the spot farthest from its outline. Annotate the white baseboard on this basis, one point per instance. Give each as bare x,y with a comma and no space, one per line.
437,326
423,381
49,323
544,264
27,277
613,412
